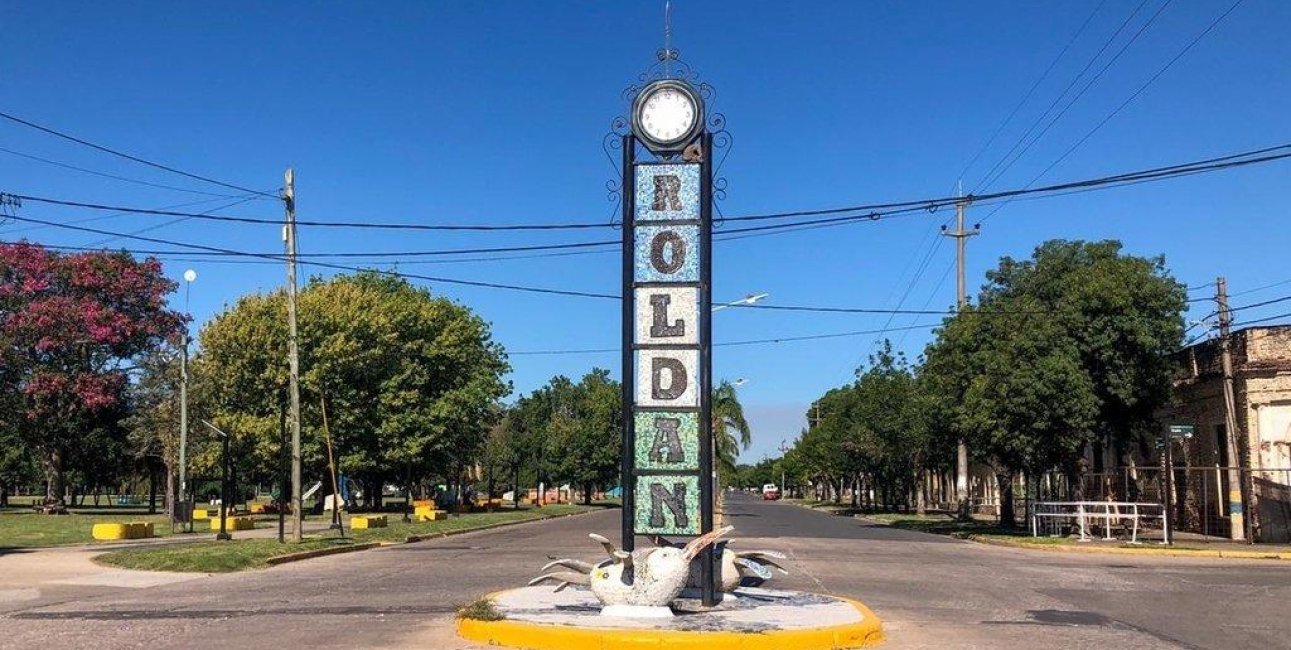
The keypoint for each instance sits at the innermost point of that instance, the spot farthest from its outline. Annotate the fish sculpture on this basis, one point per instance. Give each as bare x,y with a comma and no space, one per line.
643,582
738,568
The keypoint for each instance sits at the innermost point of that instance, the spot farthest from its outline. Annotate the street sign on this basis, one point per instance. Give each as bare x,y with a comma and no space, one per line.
1181,430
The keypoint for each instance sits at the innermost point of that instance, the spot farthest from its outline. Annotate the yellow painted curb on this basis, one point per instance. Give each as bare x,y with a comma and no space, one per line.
1120,550
532,636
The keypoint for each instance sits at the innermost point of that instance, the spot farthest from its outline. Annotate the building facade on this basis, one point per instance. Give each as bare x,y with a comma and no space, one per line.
1261,358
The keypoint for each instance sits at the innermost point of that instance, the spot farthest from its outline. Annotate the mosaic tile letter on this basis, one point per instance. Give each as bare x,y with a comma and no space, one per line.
667,315
667,192
668,378
666,253
667,440
667,505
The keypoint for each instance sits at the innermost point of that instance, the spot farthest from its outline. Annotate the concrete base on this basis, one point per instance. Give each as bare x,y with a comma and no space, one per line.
539,618
636,611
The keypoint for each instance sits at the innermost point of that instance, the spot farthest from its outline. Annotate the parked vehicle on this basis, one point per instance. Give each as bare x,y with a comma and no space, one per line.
770,492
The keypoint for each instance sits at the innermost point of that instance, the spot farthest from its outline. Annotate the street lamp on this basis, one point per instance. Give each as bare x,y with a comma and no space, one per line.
741,381
189,276
223,535
746,300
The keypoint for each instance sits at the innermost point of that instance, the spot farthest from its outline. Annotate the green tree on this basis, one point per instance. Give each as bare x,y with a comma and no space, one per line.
731,432
409,380
1123,314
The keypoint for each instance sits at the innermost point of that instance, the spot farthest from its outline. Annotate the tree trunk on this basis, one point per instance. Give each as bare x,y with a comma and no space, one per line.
515,486
152,488
920,499
170,490
587,494
1004,478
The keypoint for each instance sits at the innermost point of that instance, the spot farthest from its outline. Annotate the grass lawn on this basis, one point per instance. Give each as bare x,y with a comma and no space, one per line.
242,554
26,529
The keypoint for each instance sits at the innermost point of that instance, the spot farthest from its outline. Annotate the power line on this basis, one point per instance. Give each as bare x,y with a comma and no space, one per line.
1031,91
1107,66
780,339
1261,288
125,179
871,212
1262,320
1127,101
1261,304
328,265
990,174
127,156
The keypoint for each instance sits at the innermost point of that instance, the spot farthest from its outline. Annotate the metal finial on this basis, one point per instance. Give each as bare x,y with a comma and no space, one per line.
667,53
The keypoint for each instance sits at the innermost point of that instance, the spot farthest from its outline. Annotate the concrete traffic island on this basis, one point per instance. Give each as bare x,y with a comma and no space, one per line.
748,618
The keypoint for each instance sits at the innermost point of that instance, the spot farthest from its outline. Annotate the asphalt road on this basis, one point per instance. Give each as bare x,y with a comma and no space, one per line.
931,592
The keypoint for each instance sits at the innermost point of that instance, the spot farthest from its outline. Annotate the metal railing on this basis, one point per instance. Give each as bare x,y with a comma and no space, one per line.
1199,503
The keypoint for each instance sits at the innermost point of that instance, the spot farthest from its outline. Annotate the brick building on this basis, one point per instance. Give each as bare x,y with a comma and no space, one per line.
1262,388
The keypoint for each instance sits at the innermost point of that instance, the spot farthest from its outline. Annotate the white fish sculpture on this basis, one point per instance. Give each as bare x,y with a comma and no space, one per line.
738,568
641,583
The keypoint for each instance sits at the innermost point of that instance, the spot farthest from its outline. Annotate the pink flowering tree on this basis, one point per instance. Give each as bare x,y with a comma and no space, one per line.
71,326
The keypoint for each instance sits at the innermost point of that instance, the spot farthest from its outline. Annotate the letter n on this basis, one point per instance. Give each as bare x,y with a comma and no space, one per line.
675,501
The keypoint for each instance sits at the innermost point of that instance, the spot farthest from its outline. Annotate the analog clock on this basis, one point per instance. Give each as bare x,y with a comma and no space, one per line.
666,115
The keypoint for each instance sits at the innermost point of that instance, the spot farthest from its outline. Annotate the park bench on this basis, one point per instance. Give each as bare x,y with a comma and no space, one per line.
1050,517
122,530
359,522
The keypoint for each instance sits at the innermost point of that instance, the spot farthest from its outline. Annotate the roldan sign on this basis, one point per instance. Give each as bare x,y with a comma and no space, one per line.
667,309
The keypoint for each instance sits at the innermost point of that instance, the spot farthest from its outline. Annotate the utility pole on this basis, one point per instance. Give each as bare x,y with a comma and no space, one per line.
1236,518
181,501
293,358
961,236
784,486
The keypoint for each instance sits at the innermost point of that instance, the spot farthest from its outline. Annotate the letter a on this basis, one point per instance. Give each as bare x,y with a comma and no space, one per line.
677,380
667,445
675,501
666,191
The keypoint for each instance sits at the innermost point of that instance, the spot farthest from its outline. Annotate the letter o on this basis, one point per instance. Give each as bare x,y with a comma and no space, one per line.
677,257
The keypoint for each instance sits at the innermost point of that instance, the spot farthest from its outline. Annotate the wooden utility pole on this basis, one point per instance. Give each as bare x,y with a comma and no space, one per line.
1236,509
962,506
293,357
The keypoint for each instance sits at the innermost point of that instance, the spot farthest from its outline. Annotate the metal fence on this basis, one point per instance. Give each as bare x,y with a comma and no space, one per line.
1199,504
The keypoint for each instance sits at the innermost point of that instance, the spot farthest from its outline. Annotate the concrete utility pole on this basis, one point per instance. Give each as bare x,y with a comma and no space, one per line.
784,486
1236,518
962,506
293,358
181,501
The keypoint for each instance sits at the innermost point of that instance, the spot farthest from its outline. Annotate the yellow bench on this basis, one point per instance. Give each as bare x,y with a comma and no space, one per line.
359,522
126,530
233,523
429,513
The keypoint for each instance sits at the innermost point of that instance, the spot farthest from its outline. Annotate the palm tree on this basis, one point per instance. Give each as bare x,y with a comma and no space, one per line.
731,432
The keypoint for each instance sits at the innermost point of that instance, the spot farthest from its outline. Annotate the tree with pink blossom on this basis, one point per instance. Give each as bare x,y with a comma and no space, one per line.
71,326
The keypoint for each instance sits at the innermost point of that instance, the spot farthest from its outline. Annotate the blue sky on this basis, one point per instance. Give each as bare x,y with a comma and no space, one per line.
494,113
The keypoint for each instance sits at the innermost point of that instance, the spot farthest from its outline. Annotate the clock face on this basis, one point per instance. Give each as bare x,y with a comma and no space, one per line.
667,114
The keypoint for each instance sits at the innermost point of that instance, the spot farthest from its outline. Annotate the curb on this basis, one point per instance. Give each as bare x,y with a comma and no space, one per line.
320,552
501,524
1119,550
538,636
366,546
